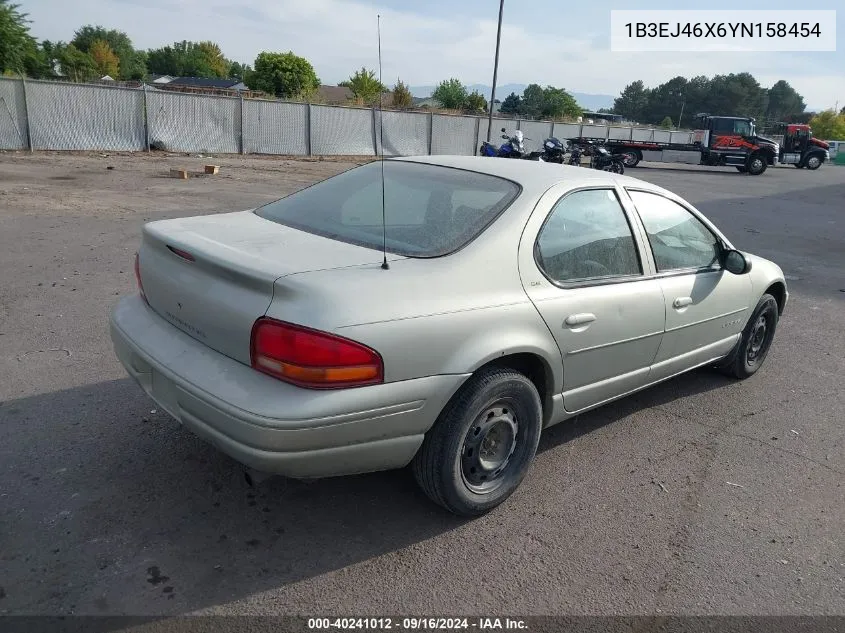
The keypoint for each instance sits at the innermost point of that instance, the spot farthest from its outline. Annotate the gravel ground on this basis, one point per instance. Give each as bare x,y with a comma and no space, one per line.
699,496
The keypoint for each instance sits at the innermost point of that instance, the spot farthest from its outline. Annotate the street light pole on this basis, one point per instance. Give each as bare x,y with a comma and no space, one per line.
495,71
683,103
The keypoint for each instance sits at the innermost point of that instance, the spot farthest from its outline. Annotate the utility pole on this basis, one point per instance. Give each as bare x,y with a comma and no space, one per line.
495,70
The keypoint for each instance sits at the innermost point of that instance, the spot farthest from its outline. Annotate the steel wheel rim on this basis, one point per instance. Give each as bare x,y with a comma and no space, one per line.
756,164
758,341
629,159
813,162
488,447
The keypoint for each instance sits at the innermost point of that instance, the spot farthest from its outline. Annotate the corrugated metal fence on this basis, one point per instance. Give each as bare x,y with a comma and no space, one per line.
48,115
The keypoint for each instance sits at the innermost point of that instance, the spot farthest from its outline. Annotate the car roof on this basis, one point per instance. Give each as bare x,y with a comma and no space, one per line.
534,176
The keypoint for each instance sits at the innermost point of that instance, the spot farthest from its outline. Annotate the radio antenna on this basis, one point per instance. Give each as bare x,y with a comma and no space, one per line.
384,264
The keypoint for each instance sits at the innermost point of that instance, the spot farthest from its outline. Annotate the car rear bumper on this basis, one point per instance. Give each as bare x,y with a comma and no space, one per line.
267,424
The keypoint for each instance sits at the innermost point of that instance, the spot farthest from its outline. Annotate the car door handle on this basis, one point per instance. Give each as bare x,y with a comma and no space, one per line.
681,302
580,319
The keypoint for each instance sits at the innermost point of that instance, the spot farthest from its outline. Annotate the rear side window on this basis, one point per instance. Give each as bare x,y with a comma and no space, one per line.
678,239
429,210
587,236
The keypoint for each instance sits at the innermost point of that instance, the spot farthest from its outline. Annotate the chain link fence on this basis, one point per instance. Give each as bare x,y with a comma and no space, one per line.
49,115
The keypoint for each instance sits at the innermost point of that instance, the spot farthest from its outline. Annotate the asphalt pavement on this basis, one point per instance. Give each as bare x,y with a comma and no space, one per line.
698,496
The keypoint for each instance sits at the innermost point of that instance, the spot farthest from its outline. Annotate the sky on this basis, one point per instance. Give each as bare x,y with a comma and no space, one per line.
555,42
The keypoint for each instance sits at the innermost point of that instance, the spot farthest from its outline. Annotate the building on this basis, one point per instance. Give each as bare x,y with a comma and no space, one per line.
212,83
334,95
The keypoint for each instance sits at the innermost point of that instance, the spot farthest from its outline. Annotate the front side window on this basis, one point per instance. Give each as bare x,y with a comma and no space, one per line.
587,236
678,239
429,210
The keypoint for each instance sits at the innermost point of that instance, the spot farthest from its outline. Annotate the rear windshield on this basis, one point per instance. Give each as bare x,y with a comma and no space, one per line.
429,210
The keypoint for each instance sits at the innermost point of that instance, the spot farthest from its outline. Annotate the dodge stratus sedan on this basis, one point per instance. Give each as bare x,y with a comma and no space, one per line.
437,312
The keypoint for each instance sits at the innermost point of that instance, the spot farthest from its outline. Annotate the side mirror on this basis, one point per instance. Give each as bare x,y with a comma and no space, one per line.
735,262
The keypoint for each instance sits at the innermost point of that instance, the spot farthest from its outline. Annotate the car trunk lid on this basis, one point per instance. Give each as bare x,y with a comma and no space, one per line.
213,276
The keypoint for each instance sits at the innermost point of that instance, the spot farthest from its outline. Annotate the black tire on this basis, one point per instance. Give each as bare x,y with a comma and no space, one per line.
799,165
741,169
632,159
756,164
466,481
813,163
753,347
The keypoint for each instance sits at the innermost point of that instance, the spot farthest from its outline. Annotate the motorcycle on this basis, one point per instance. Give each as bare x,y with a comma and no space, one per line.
575,156
513,148
553,152
604,160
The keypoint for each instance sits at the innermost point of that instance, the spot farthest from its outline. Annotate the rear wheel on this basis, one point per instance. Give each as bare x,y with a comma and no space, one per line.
481,446
814,162
631,159
750,353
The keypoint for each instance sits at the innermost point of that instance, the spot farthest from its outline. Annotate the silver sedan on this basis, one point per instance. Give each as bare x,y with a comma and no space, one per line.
434,311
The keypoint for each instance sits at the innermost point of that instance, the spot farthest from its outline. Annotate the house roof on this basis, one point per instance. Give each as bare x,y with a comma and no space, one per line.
205,82
334,94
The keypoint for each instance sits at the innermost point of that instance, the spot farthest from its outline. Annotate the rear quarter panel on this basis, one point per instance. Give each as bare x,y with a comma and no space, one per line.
445,315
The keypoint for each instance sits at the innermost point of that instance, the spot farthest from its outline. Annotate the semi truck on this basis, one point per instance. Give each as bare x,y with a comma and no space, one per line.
721,141
801,148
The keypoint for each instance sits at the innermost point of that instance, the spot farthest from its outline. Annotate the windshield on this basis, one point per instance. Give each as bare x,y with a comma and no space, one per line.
429,210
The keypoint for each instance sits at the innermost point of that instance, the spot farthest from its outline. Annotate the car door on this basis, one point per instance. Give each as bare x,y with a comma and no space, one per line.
581,264
706,306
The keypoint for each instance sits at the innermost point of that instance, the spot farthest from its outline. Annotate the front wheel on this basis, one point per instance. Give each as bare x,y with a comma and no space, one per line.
756,340
814,162
756,164
741,169
482,444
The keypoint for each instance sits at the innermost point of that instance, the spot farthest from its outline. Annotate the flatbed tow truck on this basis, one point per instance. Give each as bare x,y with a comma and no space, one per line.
721,141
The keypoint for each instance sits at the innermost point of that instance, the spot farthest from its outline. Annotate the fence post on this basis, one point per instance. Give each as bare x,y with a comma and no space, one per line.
26,116
146,121
241,136
477,132
309,135
430,131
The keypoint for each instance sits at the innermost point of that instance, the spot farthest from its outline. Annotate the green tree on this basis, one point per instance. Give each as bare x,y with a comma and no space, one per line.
402,97
784,101
132,63
511,105
285,75
189,59
533,101
558,103
632,101
666,123
364,86
451,94
18,50
828,125
75,64
475,103
105,60
239,71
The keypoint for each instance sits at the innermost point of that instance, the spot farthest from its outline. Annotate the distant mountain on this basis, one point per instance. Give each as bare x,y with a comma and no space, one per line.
591,102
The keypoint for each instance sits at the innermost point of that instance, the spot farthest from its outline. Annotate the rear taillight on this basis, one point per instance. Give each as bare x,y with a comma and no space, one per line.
138,277
313,359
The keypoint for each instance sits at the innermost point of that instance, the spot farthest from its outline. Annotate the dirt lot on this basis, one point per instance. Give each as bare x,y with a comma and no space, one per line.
698,496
